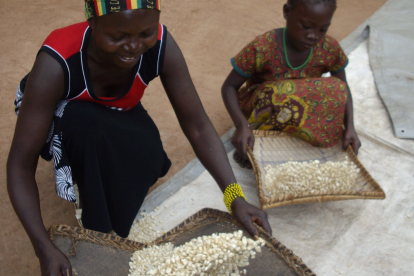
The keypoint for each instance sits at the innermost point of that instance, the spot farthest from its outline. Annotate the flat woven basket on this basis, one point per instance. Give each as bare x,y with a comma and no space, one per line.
275,148
95,253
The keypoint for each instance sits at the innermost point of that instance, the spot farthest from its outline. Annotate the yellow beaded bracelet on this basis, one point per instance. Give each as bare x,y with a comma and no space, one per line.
232,192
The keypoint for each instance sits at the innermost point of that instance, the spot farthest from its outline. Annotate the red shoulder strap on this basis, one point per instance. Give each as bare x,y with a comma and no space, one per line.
67,41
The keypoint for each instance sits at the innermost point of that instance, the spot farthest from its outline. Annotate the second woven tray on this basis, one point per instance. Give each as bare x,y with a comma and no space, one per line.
275,148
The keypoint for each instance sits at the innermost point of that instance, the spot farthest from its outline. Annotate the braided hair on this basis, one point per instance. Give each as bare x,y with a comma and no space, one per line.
292,3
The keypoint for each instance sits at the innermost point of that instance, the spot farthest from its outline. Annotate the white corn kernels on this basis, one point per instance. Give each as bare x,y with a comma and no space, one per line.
143,230
292,178
204,255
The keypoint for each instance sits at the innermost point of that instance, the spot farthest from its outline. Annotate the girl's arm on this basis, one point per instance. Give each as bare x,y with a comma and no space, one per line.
350,135
243,135
43,90
201,133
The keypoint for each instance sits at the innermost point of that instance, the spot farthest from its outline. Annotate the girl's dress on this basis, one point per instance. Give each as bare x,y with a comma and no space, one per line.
300,102
109,146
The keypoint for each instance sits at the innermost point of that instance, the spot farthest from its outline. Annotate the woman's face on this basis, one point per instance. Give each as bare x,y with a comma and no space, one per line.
121,38
307,23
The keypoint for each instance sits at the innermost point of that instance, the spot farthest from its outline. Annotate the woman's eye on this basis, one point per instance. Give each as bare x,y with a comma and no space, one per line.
306,27
324,30
117,38
145,35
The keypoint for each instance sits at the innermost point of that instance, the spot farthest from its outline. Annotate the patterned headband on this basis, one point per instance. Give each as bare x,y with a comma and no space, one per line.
95,8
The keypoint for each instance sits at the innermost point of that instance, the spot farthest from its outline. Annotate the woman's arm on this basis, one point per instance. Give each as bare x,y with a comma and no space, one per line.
243,136
229,93
201,133
350,135
43,90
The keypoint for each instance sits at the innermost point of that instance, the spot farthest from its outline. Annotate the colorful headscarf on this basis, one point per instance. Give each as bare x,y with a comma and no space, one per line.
95,8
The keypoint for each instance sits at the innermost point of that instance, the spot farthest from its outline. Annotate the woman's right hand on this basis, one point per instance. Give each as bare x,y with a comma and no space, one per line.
54,263
44,88
242,137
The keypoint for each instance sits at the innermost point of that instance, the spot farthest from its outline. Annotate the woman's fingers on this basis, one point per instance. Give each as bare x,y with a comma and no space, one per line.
247,214
251,142
240,160
355,148
248,224
345,144
236,156
356,144
243,146
52,269
241,139
59,271
242,212
243,163
67,271
263,222
54,263
351,138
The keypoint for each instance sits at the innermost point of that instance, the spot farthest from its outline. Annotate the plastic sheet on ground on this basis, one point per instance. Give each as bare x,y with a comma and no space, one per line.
391,42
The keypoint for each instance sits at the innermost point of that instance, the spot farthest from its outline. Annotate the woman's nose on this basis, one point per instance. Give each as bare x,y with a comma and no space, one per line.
312,36
133,45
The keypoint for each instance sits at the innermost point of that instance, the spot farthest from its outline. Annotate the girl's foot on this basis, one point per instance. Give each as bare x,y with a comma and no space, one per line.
244,163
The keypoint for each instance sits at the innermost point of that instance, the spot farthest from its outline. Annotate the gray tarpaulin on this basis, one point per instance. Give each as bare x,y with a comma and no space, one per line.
355,237
391,52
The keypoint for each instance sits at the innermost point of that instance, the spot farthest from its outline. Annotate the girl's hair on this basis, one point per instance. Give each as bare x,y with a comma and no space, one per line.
293,3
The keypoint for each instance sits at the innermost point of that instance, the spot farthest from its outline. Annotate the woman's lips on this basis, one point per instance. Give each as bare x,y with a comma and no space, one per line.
308,45
127,59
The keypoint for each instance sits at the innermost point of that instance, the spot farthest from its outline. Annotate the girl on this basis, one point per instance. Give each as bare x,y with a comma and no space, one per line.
284,86
83,98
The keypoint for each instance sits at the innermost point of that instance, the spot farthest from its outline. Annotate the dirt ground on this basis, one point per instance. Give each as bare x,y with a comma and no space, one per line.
208,34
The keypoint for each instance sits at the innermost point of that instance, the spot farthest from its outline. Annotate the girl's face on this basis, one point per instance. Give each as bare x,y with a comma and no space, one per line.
121,38
307,23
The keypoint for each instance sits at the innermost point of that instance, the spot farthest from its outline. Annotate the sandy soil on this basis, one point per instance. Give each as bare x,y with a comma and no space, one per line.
208,34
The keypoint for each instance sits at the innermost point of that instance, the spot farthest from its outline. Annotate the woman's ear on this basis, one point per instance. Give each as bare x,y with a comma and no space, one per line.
286,11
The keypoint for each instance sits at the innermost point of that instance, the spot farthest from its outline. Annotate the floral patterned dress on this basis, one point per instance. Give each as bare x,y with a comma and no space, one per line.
300,102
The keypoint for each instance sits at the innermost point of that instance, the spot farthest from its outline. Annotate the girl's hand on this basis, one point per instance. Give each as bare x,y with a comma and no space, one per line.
246,214
54,263
351,138
242,138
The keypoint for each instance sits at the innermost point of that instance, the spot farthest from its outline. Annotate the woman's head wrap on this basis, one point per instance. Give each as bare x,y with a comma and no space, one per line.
95,8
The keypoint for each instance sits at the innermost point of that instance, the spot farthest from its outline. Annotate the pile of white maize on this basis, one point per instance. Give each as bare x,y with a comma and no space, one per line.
214,255
293,178
143,230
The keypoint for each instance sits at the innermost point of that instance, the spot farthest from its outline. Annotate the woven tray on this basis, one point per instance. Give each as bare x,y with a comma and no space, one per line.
275,147
95,253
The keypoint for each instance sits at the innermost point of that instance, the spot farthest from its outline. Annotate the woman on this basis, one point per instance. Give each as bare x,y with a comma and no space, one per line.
83,98
285,90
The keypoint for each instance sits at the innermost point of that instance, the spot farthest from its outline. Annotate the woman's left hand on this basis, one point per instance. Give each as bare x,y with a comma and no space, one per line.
246,214
351,138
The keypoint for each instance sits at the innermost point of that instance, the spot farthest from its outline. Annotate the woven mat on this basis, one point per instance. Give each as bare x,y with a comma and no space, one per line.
275,148
94,253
